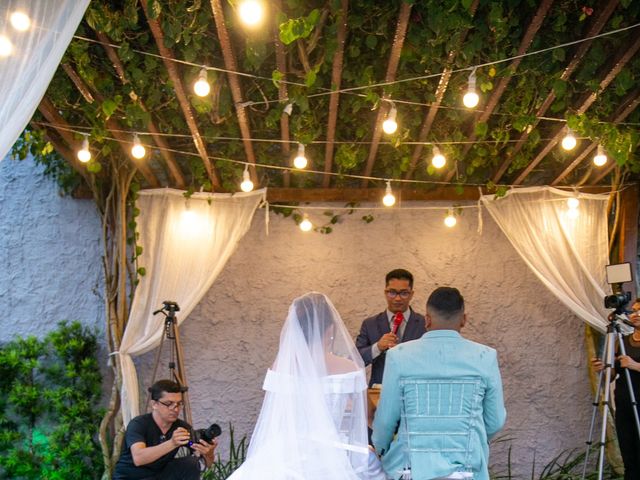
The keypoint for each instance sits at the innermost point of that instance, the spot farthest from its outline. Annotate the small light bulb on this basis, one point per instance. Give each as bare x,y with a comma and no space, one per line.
450,220
300,161
251,12
573,203
389,198
20,21
390,125
202,87
84,155
138,151
471,98
6,47
247,184
305,224
438,160
569,141
600,159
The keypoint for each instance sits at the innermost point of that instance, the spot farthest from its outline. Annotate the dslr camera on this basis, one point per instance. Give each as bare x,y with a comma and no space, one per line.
206,434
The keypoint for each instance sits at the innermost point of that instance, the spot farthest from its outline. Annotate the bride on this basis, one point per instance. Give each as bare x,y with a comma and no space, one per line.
313,419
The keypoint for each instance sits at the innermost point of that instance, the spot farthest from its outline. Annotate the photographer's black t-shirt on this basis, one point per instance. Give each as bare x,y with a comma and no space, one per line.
144,429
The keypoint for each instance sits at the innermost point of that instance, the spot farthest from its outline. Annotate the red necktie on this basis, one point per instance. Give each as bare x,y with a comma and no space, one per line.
397,320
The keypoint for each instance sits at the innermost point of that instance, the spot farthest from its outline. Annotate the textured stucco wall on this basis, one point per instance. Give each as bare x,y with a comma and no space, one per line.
50,254
50,251
231,337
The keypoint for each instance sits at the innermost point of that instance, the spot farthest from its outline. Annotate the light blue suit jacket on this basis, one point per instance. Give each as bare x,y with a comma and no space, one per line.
439,354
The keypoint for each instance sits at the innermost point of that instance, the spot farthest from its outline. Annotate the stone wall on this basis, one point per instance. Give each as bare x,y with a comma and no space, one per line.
50,251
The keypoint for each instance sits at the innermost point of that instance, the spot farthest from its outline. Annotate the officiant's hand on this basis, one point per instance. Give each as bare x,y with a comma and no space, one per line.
387,341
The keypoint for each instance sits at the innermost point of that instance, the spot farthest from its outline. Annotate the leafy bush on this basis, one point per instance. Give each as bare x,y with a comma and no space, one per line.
49,391
221,470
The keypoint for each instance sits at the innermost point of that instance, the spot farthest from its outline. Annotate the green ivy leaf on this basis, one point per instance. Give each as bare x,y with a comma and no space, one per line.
142,271
109,107
481,129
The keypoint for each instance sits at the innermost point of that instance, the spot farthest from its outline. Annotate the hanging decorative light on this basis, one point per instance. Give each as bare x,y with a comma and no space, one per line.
20,21
471,98
573,203
600,158
300,161
201,87
6,47
305,224
438,160
84,154
569,141
251,12
137,151
389,198
450,220
247,184
390,125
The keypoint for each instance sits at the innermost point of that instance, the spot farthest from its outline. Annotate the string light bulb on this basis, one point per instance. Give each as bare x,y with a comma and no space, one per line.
390,125
305,224
600,158
247,184
251,12
471,98
201,87
450,220
389,198
569,141
137,151
6,47
573,203
84,154
300,161
438,160
20,21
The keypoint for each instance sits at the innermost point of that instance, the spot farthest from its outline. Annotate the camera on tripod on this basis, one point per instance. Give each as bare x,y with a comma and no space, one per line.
206,434
618,274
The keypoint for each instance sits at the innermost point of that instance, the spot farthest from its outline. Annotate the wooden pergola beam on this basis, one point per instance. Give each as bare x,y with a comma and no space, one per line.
618,65
336,81
392,68
172,165
181,95
441,89
447,193
234,83
581,52
532,30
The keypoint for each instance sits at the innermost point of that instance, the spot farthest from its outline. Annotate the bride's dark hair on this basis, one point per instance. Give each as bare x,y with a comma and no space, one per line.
313,311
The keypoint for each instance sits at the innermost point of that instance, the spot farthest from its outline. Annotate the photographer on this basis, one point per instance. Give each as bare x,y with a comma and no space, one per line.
156,445
625,420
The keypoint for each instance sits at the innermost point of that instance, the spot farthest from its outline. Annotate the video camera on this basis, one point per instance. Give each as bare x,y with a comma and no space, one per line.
618,274
206,434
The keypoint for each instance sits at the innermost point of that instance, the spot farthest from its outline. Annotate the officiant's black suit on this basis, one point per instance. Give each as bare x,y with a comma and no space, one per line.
373,328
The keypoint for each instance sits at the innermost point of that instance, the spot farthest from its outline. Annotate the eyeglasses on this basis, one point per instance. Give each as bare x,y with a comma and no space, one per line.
401,293
171,405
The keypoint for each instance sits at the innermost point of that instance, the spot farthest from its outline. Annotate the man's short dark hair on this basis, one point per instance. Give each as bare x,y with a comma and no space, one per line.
400,274
161,387
446,302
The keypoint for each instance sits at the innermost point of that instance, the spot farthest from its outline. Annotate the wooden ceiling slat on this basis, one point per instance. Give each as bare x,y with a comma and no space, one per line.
283,94
181,95
532,30
618,65
172,165
581,52
623,112
336,81
392,68
440,91
234,83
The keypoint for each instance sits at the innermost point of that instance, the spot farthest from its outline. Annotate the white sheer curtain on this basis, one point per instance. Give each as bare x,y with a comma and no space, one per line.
186,243
29,58
567,248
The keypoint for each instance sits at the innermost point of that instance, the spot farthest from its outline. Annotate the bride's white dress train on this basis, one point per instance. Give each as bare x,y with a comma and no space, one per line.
312,425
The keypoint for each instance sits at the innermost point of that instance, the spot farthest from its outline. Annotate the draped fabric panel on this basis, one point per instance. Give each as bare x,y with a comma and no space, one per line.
186,243
566,248
28,59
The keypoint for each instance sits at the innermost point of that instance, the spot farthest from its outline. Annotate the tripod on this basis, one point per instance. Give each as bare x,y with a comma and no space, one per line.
177,371
613,335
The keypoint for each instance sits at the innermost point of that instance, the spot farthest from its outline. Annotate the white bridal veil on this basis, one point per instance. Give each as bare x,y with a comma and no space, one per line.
313,420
